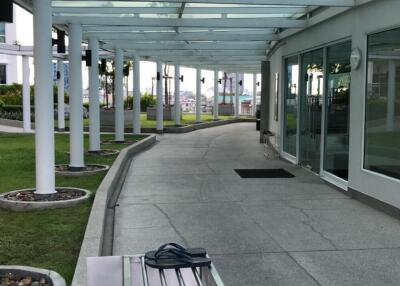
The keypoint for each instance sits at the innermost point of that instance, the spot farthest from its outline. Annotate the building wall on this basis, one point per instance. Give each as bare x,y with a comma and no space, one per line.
10,61
354,24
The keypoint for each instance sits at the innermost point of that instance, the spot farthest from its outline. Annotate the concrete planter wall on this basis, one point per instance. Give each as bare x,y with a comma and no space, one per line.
53,278
168,113
226,109
107,117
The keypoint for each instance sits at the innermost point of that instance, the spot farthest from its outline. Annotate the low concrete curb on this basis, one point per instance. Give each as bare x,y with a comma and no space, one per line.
20,206
99,220
194,127
36,273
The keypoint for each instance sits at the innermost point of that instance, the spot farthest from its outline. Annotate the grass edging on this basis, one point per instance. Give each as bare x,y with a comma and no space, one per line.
92,244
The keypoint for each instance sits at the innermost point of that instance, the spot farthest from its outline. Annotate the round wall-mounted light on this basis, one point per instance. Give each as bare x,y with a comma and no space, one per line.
355,58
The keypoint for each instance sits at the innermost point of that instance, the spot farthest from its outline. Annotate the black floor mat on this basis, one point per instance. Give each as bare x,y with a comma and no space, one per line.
263,173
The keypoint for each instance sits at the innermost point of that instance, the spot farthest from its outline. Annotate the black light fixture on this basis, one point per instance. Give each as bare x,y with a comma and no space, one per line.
220,81
6,11
203,80
258,83
58,75
60,42
158,76
241,82
181,78
88,58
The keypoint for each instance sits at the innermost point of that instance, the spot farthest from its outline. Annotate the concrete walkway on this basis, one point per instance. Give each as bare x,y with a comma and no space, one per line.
258,231
10,129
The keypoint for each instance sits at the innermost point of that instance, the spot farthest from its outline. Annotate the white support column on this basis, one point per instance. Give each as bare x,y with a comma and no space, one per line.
94,100
119,96
44,114
237,101
177,102
390,117
60,96
26,94
160,105
254,94
75,99
216,94
136,95
198,95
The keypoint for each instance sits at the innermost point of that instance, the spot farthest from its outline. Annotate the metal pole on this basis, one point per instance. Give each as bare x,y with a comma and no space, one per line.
216,93
119,96
177,102
76,108
237,102
160,106
44,114
136,95
254,94
26,94
94,100
60,96
198,95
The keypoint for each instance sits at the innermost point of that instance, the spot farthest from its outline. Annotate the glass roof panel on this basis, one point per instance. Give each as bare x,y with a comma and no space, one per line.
113,4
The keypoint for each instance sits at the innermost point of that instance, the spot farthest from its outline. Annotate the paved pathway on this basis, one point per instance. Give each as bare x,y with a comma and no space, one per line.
10,129
258,231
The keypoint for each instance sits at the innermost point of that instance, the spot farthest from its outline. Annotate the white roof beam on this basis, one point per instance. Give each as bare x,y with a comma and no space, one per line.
192,46
198,36
173,10
184,53
339,3
194,23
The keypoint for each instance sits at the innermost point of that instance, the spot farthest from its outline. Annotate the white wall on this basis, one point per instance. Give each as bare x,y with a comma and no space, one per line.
354,24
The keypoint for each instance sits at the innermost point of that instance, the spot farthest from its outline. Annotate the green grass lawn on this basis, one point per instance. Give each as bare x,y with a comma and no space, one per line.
51,238
187,119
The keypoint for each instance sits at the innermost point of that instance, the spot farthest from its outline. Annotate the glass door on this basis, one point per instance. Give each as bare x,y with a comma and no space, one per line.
336,149
291,105
312,94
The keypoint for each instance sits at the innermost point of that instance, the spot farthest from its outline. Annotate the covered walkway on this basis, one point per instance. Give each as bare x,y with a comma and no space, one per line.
295,231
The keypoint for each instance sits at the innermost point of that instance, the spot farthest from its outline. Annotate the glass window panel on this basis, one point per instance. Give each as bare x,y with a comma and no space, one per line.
291,105
382,114
2,32
336,157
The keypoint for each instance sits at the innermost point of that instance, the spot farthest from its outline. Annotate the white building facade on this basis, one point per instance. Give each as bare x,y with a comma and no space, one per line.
334,100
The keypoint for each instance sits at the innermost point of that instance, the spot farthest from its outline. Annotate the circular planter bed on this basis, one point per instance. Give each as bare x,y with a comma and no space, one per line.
27,200
29,276
89,169
104,152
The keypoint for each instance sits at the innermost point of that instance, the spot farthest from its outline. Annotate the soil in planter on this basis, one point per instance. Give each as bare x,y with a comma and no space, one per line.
104,152
29,196
87,168
18,280
126,142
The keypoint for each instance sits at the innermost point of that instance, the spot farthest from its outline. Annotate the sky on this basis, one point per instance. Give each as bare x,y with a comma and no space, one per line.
147,69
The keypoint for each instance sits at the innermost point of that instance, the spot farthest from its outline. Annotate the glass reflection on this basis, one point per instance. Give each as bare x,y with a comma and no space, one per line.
382,122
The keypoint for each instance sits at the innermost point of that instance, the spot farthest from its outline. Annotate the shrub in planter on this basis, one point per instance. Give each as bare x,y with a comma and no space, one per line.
1,104
146,100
